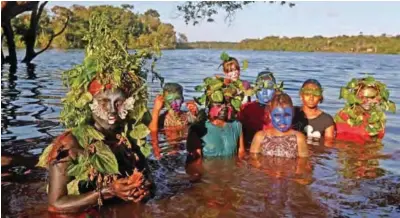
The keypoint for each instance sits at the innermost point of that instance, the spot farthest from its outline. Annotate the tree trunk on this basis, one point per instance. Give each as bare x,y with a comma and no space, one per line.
30,37
9,33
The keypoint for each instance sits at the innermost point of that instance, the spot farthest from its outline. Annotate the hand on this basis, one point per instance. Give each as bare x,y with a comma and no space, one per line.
123,189
241,154
158,102
192,107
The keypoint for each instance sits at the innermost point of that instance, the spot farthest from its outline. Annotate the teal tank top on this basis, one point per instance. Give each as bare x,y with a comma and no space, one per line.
221,141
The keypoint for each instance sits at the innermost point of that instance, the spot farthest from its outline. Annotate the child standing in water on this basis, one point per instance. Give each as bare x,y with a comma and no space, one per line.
252,114
281,140
310,119
174,121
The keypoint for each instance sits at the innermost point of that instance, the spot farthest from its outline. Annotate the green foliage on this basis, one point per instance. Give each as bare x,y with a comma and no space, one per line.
215,90
377,119
103,160
346,44
196,11
136,30
224,56
44,157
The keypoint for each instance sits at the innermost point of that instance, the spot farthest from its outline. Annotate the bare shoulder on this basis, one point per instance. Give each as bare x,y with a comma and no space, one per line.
65,146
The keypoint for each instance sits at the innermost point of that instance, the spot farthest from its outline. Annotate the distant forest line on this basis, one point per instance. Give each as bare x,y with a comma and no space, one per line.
347,44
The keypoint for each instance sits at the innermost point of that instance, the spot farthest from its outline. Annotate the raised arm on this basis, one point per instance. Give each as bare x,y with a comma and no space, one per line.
154,124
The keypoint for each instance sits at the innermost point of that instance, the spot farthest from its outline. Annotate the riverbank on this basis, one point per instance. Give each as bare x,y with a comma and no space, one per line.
340,44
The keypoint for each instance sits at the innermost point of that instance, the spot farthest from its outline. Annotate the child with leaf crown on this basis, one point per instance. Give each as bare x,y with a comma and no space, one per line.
173,121
253,114
363,119
220,134
317,125
99,157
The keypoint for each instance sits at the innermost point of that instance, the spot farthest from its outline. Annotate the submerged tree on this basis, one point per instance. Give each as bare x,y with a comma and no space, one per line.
10,10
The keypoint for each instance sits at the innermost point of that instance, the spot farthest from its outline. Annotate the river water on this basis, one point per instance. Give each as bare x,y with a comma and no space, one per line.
345,181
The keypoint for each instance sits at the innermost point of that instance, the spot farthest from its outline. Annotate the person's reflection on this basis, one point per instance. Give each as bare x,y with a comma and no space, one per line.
359,162
287,181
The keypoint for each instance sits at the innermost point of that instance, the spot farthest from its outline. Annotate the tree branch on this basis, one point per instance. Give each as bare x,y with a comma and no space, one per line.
52,37
39,14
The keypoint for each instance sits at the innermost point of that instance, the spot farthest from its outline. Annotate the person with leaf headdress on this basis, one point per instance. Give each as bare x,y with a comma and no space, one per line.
221,134
253,114
231,70
174,121
363,119
317,125
99,157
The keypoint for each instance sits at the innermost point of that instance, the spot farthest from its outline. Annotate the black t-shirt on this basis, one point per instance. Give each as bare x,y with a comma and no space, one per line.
314,129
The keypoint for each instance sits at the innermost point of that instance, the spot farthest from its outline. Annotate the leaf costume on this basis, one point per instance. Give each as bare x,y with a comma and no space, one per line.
353,122
107,65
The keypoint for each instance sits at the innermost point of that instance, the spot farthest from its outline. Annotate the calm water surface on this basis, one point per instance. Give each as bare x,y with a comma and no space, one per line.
344,182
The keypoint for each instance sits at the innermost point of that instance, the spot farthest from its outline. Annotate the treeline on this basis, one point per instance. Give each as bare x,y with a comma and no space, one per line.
139,30
357,44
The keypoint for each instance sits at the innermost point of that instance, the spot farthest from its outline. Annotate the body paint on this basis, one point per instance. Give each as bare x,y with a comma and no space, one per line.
221,112
173,101
282,118
107,105
265,95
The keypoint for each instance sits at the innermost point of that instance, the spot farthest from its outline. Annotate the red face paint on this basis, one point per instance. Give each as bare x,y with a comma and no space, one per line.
216,112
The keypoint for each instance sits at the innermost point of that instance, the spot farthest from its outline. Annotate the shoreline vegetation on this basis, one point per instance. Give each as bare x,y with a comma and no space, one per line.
147,30
340,44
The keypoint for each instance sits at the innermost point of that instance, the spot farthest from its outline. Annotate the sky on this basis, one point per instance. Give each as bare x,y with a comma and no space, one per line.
260,19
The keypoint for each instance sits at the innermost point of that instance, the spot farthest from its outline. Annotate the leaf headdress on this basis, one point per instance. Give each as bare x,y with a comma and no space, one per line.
216,91
377,118
107,64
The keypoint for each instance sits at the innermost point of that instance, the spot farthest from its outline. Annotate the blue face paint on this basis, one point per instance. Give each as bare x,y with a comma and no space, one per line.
282,118
265,95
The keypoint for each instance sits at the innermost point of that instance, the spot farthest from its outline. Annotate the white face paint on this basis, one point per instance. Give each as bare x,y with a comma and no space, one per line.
106,105
126,106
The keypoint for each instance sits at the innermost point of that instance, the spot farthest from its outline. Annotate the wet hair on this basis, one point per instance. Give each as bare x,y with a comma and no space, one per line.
173,88
264,74
227,65
315,82
281,99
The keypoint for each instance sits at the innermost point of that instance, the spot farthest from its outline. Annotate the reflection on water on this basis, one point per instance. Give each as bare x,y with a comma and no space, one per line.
341,180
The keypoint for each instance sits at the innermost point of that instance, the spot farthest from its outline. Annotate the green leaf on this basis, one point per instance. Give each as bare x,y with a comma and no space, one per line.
84,99
344,93
236,104
208,80
214,85
79,167
224,56
201,100
373,118
385,94
43,159
139,132
73,187
245,65
104,159
391,107
146,149
199,88
217,96
352,84
92,132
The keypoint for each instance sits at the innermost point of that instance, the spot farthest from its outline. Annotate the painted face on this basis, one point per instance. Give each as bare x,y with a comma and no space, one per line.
311,95
110,106
266,93
233,74
282,118
369,97
220,111
174,101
